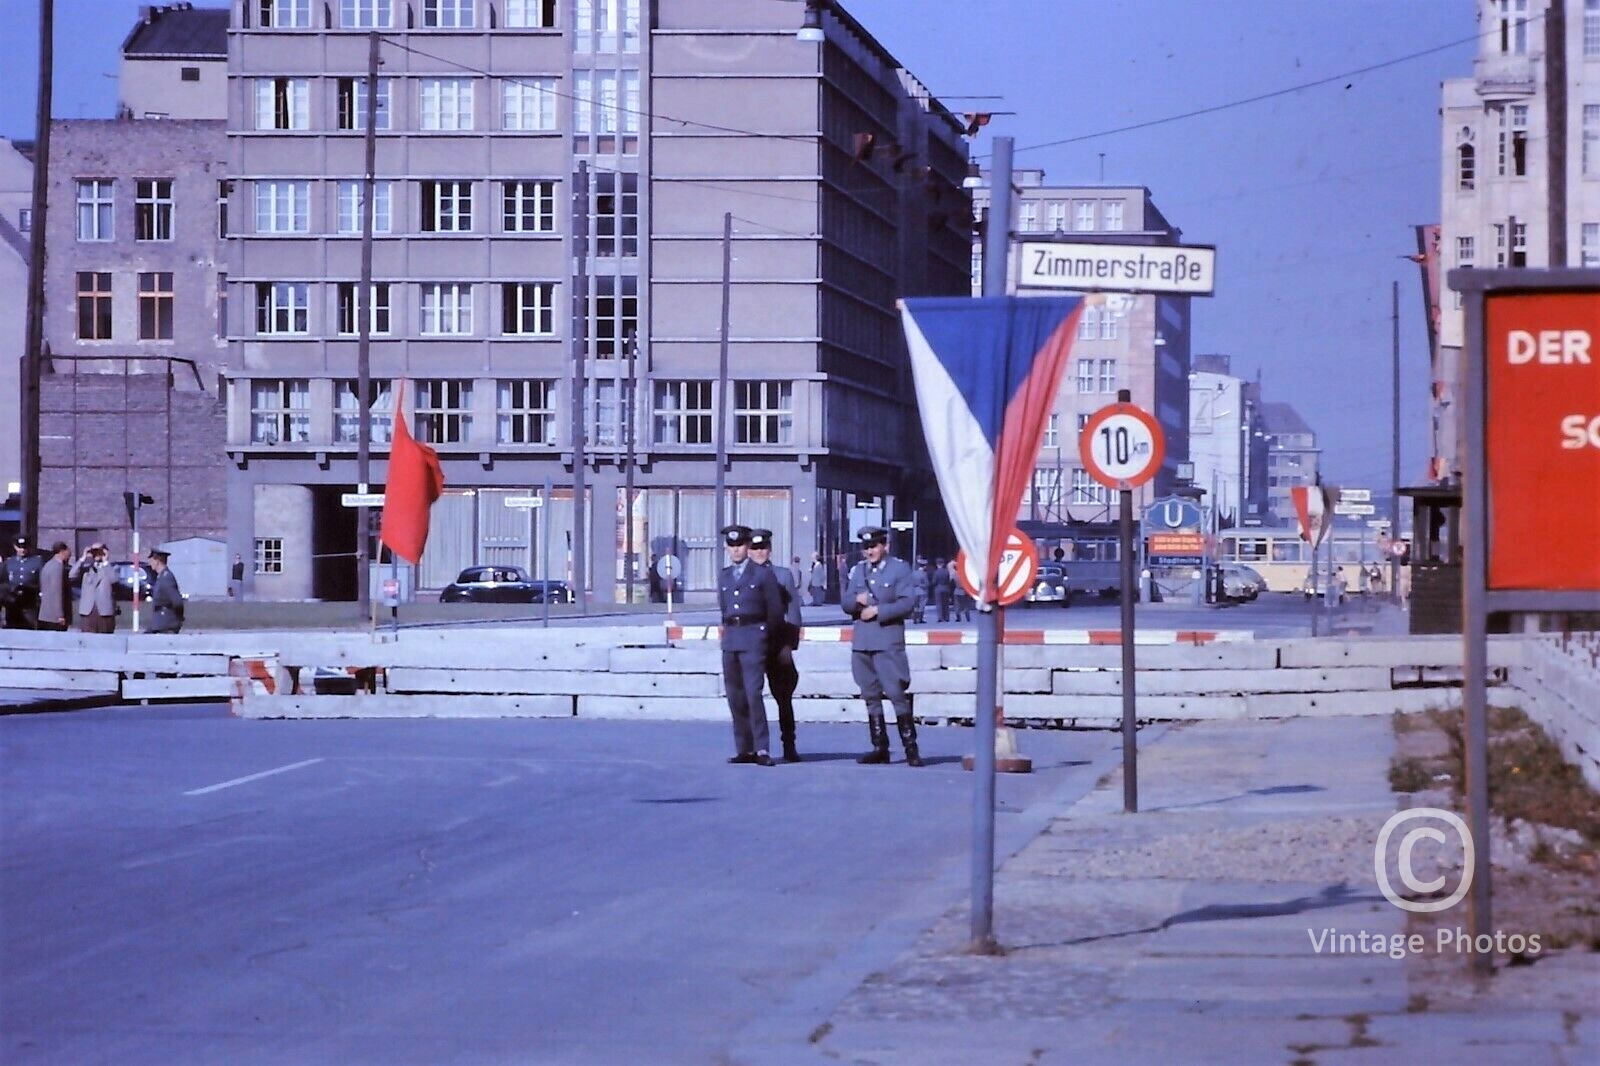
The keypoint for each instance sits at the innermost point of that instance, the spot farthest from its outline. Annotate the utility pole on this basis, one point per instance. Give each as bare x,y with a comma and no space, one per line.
721,489
363,310
630,398
1394,447
33,350
580,379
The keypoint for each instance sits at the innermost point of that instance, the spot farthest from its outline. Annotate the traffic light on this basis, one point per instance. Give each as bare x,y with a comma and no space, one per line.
133,501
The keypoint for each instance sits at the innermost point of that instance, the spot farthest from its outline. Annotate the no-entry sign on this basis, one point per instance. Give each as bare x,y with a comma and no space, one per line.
1543,440
1019,564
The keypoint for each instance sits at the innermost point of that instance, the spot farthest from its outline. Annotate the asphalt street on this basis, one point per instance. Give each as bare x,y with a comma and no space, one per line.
180,886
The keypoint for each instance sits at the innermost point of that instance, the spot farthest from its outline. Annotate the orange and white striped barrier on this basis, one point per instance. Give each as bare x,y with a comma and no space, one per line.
939,637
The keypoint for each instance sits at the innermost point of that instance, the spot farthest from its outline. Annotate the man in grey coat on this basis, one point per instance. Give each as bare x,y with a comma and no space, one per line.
55,599
166,600
782,676
878,596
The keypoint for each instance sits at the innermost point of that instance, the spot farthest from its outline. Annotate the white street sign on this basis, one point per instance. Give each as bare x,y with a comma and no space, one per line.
902,524
362,499
668,567
1354,508
1120,268
524,502
1355,495
1377,523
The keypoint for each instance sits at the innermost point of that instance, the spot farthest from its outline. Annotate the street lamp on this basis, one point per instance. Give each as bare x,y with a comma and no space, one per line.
811,26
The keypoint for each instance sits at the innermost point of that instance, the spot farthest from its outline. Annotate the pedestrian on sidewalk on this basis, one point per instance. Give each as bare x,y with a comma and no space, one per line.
878,596
55,592
783,677
818,580
942,585
963,599
921,585
752,608
166,599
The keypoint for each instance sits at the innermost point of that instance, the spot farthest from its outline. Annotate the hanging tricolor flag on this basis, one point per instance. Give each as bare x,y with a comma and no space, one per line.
986,372
1313,507
415,480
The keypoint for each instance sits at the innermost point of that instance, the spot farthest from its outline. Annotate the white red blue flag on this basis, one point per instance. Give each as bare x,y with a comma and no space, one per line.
986,372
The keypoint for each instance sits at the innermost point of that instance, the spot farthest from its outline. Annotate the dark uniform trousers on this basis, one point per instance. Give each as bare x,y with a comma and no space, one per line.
783,677
883,674
744,669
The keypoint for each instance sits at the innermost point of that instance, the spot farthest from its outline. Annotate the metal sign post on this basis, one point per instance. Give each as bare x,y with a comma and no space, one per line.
1122,447
1531,392
532,503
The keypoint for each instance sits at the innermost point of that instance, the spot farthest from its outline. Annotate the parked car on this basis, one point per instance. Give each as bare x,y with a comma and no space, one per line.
1050,585
126,574
503,584
1241,582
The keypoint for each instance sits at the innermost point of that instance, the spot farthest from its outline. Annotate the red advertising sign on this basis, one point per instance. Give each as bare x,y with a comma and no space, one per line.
1543,440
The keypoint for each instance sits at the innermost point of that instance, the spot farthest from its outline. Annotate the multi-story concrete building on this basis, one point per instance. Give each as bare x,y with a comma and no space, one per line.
175,64
1138,342
1293,458
1521,182
1220,424
505,129
16,225
130,396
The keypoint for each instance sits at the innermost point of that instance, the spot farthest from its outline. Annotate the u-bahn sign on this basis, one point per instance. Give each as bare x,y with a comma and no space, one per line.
1183,270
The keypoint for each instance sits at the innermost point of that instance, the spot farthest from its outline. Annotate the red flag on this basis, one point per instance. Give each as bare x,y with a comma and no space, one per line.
415,481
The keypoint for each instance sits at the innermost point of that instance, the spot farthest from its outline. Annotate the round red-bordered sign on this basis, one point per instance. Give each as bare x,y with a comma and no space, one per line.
1122,446
1019,565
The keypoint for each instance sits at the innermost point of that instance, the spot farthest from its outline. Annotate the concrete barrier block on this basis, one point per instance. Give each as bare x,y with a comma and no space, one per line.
71,640
254,706
701,658
133,662
177,688
1332,704
413,679
65,680
704,709
1222,682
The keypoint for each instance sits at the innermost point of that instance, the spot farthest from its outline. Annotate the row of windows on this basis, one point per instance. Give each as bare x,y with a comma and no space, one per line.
525,411
1512,146
155,296
153,209
444,308
602,102
1087,215
599,25
1517,253
1046,487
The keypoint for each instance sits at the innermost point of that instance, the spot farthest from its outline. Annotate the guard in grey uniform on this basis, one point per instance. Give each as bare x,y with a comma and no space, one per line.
752,609
878,596
783,677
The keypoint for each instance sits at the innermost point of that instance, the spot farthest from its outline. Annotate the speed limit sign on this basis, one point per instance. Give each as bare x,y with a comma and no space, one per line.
1122,446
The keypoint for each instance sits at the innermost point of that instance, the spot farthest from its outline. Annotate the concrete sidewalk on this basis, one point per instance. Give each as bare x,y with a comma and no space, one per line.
1184,934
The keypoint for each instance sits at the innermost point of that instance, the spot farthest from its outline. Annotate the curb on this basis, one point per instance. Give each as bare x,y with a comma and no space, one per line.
841,634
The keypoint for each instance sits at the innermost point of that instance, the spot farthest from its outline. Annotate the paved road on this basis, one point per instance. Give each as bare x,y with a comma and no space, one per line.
546,891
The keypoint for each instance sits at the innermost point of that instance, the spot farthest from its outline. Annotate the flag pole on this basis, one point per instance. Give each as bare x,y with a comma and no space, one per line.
996,263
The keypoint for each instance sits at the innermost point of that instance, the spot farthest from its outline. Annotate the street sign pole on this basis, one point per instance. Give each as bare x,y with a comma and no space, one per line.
544,553
1130,721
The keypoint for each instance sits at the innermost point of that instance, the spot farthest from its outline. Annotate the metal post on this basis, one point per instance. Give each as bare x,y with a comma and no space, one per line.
721,488
996,268
1130,722
363,311
33,350
580,379
1394,448
138,570
1474,626
629,401
544,550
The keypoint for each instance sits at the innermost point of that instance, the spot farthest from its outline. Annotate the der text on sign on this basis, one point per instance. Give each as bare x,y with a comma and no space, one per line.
1542,439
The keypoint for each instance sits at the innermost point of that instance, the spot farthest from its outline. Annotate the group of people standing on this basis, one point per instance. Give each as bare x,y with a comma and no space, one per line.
37,590
760,609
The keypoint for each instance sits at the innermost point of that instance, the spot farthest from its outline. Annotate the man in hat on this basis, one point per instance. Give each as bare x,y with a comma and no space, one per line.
878,596
20,576
166,601
752,611
782,676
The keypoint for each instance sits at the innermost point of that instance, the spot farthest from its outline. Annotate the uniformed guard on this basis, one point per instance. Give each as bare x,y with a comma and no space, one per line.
783,677
752,609
878,596
19,581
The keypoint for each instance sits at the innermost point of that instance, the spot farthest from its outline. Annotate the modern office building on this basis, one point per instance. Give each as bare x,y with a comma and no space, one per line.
1220,424
553,185
1521,182
1137,342
1293,458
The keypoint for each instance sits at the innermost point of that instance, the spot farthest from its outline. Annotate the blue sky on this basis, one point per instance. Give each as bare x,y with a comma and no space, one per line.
1309,196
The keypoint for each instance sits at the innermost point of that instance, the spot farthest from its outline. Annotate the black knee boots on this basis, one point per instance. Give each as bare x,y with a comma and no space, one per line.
880,740
908,738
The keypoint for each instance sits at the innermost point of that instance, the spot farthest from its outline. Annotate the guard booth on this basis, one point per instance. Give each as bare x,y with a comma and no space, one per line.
1435,558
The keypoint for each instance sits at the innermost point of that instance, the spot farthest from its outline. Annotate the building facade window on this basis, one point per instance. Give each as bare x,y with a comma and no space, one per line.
447,207
616,214
1113,215
1108,324
366,14
1466,251
763,412
682,412
528,206
527,308
283,206
1108,375
531,14
347,412
446,308
269,555
1591,29
1085,375
607,26
1589,244
528,104
155,305
1466,168
152,209
283,307
1052,432
446,103
96,200
1519,244
24,220
283,104
1089,324
444,410
280,411
449,14
1028,218
609,414
615,312
1513,26
378,309
1499,244
1056,215
1086,490
1083,424
94,305
353,104
1083,215
606,102
1512,154
524,411
1591,140
349,221
285,14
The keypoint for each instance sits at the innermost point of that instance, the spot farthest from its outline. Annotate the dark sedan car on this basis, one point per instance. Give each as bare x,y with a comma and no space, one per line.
1050,585
503,584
